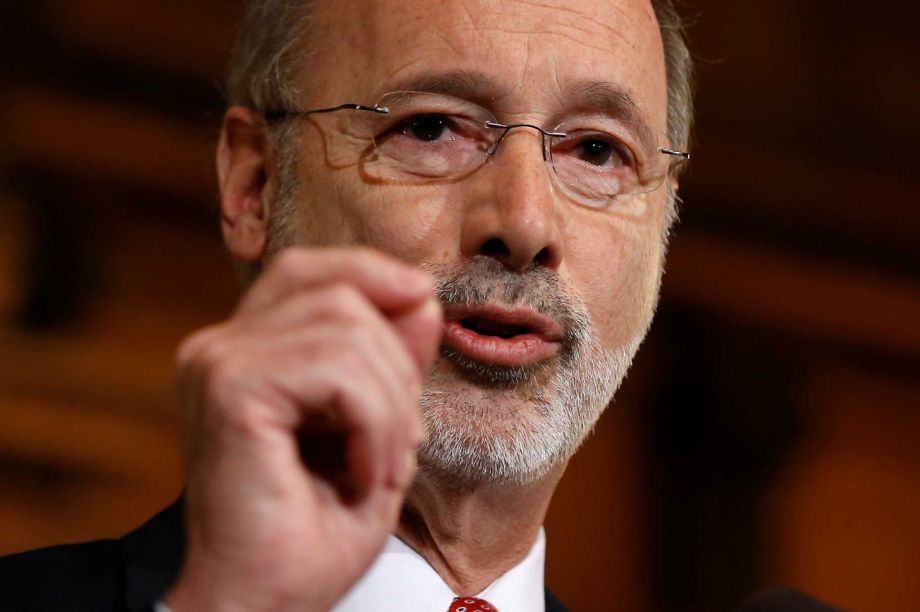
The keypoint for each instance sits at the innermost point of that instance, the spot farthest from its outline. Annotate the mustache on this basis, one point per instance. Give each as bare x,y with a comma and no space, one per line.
485,280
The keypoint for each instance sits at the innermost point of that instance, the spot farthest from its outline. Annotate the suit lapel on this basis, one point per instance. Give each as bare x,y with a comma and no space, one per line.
553,604
153,555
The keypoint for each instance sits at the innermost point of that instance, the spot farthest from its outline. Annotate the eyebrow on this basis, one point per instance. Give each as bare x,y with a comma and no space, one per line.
609,98
614,100
467,84
604,97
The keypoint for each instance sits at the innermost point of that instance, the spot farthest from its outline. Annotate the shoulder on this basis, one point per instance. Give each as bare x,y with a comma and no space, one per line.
553,604
784,600
102,576
67,578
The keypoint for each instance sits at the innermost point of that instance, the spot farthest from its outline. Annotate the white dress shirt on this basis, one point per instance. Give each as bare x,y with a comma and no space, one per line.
403,580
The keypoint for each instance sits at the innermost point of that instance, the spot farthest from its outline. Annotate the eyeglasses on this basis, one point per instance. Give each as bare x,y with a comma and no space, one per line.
421,137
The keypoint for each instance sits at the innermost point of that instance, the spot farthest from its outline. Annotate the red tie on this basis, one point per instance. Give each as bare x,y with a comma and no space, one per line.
471,604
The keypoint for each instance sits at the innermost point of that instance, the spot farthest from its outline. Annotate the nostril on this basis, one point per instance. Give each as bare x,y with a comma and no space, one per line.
495,247
545,258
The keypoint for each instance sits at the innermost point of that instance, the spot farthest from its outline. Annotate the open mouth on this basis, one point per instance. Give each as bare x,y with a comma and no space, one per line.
501,335
487,327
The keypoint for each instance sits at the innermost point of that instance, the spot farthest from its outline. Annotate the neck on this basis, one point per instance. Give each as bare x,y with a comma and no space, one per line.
473,535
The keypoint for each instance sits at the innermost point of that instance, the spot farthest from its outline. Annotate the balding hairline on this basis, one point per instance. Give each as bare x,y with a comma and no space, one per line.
273,51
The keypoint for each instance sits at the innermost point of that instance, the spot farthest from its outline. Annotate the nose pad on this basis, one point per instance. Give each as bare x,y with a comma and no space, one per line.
501,139
544,149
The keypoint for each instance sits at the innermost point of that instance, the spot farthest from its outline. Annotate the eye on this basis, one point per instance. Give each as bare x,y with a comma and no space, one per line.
600,152
595,152
427,128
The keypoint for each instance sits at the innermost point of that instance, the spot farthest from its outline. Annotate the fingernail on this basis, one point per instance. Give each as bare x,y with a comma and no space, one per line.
418,432
404,469
411,463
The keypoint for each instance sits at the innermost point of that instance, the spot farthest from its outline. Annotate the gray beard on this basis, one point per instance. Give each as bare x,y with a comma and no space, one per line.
490,424
505,427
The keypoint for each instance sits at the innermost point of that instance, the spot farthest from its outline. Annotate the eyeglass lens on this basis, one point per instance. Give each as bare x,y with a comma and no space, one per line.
427,137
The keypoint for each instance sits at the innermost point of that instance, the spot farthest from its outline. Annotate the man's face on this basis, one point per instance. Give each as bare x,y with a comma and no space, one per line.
505,236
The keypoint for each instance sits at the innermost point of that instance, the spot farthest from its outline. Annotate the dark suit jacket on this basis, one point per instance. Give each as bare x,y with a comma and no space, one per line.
128,574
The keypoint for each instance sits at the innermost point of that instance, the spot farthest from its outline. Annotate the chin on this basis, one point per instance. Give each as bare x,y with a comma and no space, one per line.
490,425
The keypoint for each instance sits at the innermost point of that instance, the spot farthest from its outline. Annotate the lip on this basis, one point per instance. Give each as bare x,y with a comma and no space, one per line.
541,341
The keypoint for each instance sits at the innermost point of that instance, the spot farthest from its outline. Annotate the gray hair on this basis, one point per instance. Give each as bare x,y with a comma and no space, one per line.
270,53
679,69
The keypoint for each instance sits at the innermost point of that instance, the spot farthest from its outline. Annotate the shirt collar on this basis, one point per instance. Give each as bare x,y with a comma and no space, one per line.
401,577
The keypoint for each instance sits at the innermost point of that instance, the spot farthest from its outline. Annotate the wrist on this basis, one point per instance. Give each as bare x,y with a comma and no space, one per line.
200,589
205,587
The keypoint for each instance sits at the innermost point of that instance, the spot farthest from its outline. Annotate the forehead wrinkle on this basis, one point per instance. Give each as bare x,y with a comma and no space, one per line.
470,85
549,6
560,32
454,46
464,6
527,17
476,33
566,17
601,15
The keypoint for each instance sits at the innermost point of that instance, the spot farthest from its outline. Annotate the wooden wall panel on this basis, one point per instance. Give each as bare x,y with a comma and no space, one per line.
842,522
69,134
190,39
598,536
795,259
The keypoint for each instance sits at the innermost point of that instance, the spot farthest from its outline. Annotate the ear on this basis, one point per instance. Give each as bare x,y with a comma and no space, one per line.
244,166
673,183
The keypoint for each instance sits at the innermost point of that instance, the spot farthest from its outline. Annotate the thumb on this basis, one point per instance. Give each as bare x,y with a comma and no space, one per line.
421,328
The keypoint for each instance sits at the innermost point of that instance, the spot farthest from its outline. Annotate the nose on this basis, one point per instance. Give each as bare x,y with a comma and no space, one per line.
511,213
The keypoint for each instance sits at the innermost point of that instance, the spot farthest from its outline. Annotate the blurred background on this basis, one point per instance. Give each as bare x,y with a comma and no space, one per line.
768,433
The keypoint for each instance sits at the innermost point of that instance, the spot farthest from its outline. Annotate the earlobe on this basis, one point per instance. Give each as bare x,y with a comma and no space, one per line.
243,170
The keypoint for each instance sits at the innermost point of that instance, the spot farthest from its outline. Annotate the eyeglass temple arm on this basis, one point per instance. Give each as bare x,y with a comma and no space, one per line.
674,152
274,115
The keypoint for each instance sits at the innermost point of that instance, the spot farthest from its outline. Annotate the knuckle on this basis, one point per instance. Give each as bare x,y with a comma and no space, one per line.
403,368
202,348
365,255
416,428
368,414
287,265
190,348
371,262
289,260
433,315
222,376
344,301
349,358
358,339
239,420
410,376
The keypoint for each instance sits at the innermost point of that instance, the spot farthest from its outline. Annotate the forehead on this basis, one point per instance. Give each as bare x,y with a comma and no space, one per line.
533,51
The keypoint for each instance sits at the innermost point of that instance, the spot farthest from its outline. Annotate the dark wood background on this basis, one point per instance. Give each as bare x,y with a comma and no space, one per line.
768,433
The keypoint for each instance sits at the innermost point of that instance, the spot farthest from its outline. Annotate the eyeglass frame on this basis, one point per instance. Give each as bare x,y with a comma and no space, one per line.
384,110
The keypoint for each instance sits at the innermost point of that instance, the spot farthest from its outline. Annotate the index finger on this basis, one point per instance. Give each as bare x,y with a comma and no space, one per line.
390,284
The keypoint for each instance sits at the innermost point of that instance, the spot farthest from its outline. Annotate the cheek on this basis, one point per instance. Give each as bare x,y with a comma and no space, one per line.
416,224
412,223
615,267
